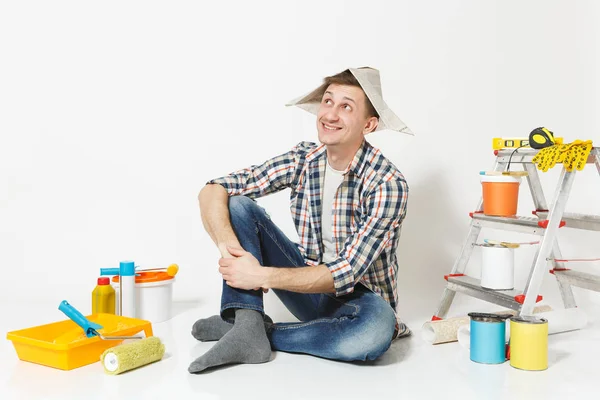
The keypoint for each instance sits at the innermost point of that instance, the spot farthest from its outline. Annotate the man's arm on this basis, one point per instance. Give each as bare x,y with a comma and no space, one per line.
214,210
315,279
258,180
242,271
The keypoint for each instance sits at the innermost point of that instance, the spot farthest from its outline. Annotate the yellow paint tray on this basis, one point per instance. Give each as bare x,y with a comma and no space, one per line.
64,345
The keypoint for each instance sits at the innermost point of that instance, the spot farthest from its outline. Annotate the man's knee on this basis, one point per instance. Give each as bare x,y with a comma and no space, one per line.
370,338
241,208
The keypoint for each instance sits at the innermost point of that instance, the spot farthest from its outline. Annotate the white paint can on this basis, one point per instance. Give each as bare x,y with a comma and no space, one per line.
497,267
153,295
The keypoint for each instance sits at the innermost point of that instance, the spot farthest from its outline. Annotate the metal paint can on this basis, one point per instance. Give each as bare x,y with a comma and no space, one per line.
529,343
488,338
497,267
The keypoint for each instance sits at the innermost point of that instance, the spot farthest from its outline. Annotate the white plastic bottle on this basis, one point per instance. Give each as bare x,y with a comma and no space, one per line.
127,292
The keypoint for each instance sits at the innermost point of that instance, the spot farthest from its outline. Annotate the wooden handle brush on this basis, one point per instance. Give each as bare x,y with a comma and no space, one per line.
171,269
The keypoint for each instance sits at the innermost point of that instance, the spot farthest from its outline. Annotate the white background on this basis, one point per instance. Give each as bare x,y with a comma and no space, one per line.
114,114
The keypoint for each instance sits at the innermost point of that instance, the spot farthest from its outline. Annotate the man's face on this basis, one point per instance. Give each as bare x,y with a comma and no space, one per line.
342,118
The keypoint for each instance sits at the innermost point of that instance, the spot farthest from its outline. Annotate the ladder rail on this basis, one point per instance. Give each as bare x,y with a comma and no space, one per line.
539,201
566,291
466,251
540,263
458,268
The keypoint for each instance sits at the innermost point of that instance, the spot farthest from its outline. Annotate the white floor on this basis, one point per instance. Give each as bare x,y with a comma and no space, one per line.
411,369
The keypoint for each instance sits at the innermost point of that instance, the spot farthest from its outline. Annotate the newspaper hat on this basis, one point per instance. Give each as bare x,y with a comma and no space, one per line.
369,81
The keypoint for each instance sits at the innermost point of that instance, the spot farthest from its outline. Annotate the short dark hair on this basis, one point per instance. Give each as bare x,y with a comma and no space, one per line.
343,78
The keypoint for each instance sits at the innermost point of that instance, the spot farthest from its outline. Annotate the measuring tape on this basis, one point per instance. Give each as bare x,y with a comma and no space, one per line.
541,137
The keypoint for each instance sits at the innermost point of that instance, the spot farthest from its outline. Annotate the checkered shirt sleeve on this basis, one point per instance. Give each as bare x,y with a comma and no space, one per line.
256,181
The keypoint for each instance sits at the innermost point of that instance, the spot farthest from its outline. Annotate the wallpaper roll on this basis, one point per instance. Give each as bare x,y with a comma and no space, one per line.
443,331
568,319
559,321
446,330
464,336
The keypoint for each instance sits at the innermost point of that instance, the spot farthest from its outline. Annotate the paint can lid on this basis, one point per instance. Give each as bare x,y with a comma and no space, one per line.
486,317
500,179
529,320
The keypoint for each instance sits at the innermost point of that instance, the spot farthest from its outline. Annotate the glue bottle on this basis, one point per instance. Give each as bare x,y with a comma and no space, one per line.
103,297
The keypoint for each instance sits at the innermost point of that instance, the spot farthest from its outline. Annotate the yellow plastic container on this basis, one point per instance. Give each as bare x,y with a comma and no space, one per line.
529,343
103,297
63,344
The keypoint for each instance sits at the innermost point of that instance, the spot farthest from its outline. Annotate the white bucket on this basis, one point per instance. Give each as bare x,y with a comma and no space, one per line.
497,267
153,300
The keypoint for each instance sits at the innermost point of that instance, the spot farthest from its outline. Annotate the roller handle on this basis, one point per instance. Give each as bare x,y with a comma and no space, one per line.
109,271
88,327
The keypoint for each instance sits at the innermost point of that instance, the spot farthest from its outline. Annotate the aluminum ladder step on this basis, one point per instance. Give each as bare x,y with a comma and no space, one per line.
472,287
576,221
579,279
530,225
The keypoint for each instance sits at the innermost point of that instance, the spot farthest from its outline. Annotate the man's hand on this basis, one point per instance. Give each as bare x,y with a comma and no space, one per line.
241,270
223,248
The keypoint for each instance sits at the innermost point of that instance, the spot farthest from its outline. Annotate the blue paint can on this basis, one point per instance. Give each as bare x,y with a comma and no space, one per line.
488,338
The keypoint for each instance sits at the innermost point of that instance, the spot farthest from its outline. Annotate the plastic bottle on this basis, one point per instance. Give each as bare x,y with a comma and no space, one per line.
126,272
127,292
103,297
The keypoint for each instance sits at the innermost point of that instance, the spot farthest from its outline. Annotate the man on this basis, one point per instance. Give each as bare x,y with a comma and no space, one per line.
347,202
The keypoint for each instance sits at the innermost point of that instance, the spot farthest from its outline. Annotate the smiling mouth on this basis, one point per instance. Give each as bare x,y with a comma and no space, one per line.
330,128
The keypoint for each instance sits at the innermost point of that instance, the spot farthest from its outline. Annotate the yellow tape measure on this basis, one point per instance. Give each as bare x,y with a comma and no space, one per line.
541,137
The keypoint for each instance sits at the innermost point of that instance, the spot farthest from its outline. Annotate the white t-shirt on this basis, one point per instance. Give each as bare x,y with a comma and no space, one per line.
333,179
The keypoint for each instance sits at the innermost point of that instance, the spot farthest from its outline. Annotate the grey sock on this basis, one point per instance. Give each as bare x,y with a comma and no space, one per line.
214,328
245,343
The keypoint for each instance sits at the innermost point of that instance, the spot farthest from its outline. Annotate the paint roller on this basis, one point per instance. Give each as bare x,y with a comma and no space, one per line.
129,356
90,328
446,330
559,321
124,357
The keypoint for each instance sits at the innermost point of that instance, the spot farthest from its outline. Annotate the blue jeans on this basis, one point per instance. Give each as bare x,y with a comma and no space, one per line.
356,326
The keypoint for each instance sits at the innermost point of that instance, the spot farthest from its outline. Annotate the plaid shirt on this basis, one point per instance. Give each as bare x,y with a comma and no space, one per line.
368,210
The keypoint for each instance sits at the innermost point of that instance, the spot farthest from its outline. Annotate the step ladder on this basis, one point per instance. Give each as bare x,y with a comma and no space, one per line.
545,223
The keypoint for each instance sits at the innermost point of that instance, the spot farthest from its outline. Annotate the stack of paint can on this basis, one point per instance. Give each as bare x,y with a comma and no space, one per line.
528,347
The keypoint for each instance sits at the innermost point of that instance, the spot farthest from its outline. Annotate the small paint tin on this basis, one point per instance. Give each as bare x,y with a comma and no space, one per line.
529,343
488,338
497,267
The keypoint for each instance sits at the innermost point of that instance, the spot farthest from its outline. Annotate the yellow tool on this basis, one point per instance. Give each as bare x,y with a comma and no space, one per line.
515,143
540,138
